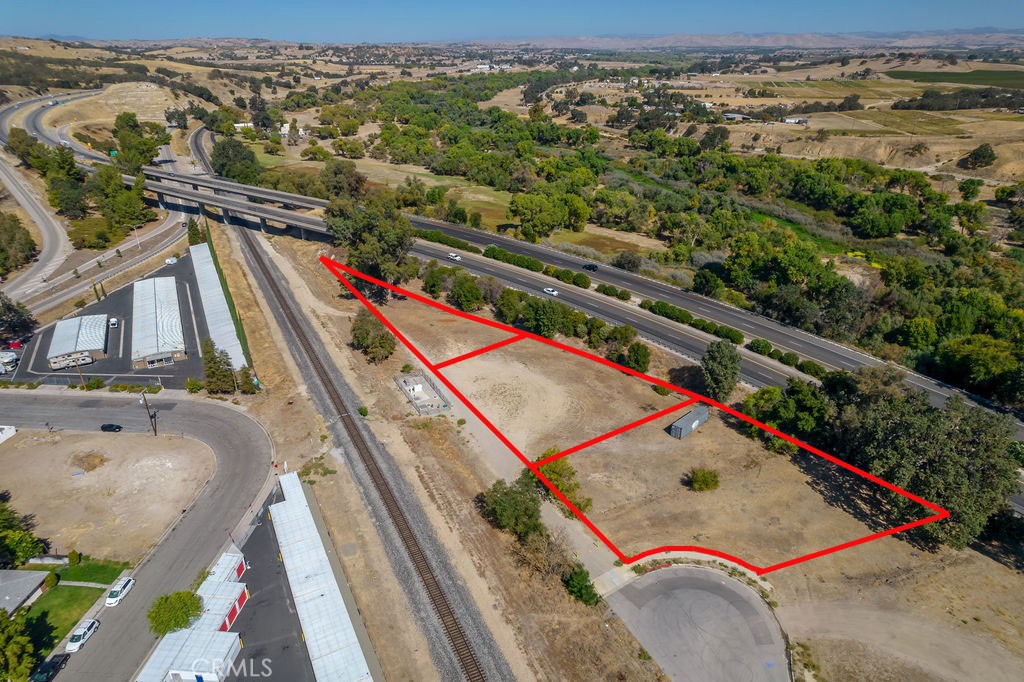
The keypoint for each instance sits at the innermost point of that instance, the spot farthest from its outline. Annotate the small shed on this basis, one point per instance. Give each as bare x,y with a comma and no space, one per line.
689,422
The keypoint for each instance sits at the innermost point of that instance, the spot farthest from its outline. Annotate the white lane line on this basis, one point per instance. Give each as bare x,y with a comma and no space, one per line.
195,327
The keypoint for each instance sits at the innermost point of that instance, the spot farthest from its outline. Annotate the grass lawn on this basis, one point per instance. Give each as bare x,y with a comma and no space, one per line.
57,612
598,242
996,78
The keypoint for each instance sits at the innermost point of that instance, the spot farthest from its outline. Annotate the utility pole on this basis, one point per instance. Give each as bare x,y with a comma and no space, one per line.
81,378
152,418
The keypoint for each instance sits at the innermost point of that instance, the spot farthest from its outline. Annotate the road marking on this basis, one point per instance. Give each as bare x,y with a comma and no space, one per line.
120,342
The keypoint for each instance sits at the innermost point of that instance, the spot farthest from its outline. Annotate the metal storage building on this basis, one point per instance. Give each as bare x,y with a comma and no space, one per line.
78,341
215,305
328,626
689,422
157,337
205,650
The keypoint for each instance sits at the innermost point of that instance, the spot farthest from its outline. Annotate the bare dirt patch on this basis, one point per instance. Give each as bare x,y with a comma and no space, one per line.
119,492
147,100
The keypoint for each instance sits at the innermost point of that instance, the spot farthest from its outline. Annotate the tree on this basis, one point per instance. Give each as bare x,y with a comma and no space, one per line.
465,294
707,283
232,159
218,373
370,336
16,245
18,546
515,508
720,367
628,260
377,235
17,653
246,385
979,157
562,475
970,188
174,611
15,319
637,357
195,235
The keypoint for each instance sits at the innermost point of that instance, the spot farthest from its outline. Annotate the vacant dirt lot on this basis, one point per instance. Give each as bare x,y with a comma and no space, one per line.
147,100
119,492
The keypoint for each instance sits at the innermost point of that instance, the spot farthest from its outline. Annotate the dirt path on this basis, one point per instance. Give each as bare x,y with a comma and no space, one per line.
940,651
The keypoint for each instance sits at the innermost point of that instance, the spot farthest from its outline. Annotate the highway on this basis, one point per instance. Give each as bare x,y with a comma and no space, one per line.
244,454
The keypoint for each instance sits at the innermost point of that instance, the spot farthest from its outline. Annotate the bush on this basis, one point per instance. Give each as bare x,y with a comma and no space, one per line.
94,384
660,390
525,262
74,558
701,479
581,280
578,584
439,237
812,368
623,295
628,261
790,358
775,354
667,310
565,275
370,336
364,410
406,368
730,334
515,508
193,385
51,580
760,346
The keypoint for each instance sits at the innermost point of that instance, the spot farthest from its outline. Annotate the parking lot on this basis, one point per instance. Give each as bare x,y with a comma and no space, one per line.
117,366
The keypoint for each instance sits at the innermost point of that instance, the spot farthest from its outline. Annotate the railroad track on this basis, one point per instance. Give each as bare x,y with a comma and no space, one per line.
439,601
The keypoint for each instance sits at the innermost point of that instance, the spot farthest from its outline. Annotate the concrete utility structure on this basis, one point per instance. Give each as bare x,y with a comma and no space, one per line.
689,422
328,623
215,305
157,338
78,341
205,650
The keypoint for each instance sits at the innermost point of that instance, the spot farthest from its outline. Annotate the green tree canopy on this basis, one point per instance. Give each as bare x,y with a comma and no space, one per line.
720,367
174,611
17,653
515,508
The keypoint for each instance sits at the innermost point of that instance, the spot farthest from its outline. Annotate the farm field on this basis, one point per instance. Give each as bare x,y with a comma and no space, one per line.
1003,78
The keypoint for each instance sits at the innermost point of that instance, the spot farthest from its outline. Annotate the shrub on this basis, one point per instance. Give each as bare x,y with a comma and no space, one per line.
370,336
578,584
760,346
74,558
701,479
812,368
94,384
581,280
193,385
775,354
790,358
174,611
51,580
80,303
623,295
461,422
439,237
730,334
515,508
525,262
406,368
660,390
364,410
565,276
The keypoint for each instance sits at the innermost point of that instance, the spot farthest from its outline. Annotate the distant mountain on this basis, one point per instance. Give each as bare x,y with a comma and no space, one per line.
950,39
63,39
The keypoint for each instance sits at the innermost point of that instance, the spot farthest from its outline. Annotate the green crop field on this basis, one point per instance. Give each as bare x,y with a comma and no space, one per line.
999,79
911,121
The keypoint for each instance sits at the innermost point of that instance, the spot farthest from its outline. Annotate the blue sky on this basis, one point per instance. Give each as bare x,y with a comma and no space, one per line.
440,20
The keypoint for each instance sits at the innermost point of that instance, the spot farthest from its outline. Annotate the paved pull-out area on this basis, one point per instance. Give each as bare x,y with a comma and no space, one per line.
699,625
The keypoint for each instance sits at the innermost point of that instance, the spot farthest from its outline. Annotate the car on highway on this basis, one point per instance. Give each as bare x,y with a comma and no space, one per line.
550,292
119,591
592,267
48,670
86,629
110,428
454,256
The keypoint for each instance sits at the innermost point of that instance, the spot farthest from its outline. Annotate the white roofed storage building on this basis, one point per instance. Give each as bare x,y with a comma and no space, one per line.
215,305
78,341
157,337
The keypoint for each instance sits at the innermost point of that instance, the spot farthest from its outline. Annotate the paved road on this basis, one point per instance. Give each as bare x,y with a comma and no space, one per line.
700,625
56,246
756,370
243,452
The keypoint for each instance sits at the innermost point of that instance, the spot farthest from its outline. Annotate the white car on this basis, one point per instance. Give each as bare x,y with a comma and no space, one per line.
81,635
120,590
454,257
550,292
171,261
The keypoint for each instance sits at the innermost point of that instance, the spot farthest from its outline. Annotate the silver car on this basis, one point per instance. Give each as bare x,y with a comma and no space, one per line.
81,635
119,591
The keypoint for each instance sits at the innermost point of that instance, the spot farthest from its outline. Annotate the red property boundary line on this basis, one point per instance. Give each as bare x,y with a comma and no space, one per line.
480,351
342,272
